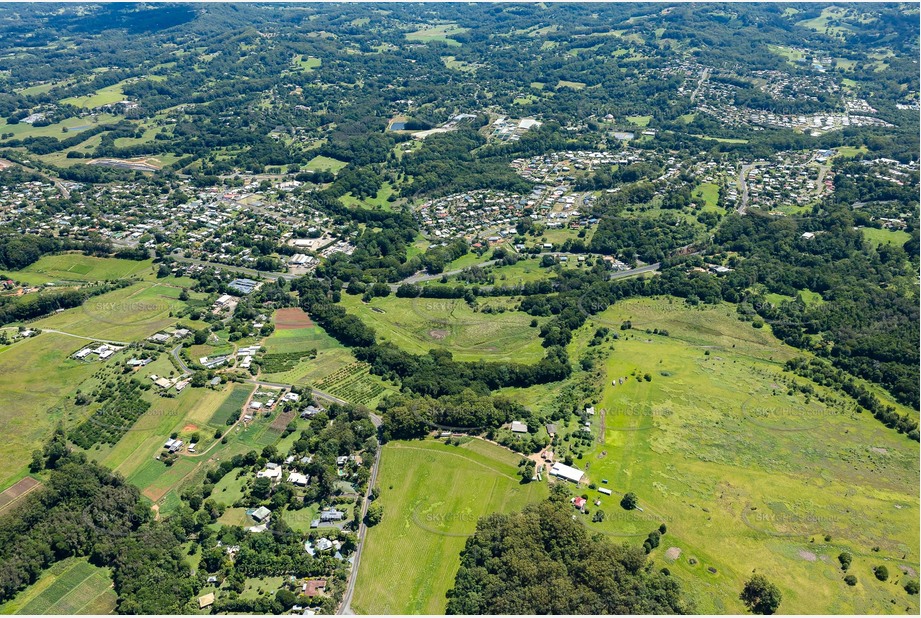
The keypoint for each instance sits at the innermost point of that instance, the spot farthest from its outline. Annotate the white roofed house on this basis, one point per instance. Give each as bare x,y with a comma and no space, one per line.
568,473
296,478
519,427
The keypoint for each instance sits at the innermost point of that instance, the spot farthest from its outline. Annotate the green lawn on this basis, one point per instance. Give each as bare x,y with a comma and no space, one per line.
72,586
744,475
640,121
324,163
103,96
876,236
23,130
307,64
709,192
568,84
420,324
378,201
79,267
440,32
432,495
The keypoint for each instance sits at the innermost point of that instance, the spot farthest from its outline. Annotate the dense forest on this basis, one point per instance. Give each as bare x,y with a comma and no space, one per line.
541,561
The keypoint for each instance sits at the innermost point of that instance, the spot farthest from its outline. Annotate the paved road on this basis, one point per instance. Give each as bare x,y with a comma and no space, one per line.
175,354
346,606
704,75
743,186
635,271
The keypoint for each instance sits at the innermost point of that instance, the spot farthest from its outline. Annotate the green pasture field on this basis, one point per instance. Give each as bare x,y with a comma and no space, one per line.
229,489
525,271
746,476
724,140
468,259
71,586
378,201
567,84
420,324
128,314
23,130
78,267
850,151
432,495
876,236
103,96
709,192
308,64
640,121
36,375
440,33
821,23
324,163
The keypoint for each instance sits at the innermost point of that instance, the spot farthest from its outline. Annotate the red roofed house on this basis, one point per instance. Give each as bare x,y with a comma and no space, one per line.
314,587
579,503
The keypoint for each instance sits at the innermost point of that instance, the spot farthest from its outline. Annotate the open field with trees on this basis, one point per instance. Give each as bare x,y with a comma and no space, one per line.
422,324
71,586
432,495
36,375
746,470
77,267
134,312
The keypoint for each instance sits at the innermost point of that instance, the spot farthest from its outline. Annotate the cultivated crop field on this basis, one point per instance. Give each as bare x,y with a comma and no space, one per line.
421,324
355,384
72,586
432,495
745,475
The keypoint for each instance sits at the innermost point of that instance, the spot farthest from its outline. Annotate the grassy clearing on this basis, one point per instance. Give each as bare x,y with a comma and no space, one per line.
378,201
36,374
103,96
432,495
79,267
850,151
72,586
331,355
709,192
744,475
329,164
306,63
821,23
128,314
421,324
724,140
23,130
876,236
440,33
567,84
640,121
